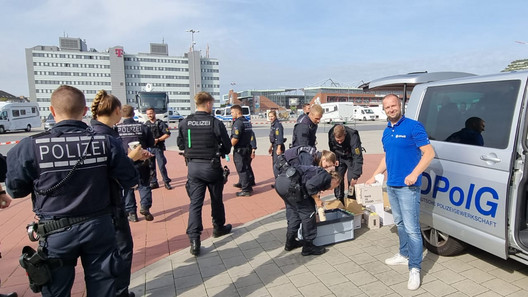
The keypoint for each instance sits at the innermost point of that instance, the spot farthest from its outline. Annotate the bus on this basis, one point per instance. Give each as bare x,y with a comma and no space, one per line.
159,101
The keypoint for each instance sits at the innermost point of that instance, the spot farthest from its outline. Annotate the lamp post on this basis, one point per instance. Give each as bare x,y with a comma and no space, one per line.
192,31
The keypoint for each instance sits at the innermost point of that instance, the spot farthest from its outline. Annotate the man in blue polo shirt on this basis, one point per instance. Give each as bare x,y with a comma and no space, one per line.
407,154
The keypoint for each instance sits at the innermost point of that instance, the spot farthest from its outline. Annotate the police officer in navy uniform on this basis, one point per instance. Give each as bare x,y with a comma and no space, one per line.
306,110
161,132
304,132
106,113
346,144
276,137
134,131
241,133
67,171
204,139
314,179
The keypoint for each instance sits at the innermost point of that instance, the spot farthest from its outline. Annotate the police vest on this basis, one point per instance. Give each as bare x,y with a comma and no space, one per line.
73,175
131,132
200,140
244,140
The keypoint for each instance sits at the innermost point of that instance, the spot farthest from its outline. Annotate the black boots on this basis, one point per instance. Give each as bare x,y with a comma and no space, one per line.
292,243
310,249
226,229
195,246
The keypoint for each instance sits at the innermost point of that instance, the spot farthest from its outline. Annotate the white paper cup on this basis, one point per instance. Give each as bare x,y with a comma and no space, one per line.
133,144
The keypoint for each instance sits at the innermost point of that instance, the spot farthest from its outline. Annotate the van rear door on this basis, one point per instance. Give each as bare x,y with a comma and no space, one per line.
465,190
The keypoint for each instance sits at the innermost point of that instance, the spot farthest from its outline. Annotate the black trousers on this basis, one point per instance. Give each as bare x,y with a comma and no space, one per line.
302,212
344,165
242,159
202,175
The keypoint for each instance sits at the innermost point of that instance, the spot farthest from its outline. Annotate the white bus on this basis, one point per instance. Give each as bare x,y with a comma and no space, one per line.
19,116
159,101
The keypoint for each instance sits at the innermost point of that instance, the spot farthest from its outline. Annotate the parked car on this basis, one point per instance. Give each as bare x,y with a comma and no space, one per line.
174,116
49,123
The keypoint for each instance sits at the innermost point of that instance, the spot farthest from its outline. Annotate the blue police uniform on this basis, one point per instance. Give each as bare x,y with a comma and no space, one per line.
68,172
158,128
350,156
314,180
304,133
204,140
124,240
242,130
301,155
276,138
253,144
130,130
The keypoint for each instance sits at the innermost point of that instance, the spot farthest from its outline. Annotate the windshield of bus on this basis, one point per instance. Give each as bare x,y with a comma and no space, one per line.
158,101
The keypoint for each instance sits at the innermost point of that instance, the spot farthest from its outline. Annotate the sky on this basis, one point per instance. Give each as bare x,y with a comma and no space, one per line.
273,44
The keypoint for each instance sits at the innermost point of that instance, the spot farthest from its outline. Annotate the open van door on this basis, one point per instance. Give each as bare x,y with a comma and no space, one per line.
406,82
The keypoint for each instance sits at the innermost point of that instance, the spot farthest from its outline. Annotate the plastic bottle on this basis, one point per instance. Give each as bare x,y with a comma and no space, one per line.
321,213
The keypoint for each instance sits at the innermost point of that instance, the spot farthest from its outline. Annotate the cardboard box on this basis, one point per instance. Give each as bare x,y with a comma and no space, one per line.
369,194
338,227
334,204
356,209
384,213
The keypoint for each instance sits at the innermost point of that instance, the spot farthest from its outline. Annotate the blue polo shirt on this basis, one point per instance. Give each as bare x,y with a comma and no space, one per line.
401,144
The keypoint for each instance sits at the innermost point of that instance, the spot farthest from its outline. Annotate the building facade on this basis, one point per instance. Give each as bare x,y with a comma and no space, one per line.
120,73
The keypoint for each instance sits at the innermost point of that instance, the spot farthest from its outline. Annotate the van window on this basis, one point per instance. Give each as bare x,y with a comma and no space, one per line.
15,113
446,109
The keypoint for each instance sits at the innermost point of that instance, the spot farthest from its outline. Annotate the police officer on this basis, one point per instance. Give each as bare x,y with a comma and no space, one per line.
306,110
133,131
313,179
346,144
276,138
67,171
304,132
161,132
204,140
106,112
253,144
241,133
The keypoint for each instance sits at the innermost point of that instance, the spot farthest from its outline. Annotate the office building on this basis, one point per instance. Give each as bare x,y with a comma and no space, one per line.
120,73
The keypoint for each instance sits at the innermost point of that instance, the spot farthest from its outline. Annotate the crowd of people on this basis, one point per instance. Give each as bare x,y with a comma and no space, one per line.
84,199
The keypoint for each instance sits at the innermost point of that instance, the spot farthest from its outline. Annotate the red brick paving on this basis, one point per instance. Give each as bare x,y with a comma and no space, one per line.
161,237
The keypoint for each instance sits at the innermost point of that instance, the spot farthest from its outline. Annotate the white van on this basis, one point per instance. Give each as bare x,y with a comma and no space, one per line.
19,116
364,114
340,112
475,192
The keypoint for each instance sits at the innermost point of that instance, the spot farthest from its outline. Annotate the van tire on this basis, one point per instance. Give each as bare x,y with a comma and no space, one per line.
441,243
28,128
2,130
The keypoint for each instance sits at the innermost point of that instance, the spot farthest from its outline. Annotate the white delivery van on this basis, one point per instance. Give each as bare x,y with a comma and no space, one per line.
364,114
19,116
340,112
378,110
475,192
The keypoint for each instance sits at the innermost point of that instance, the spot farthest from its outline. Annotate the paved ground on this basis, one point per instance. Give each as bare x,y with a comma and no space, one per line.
252,262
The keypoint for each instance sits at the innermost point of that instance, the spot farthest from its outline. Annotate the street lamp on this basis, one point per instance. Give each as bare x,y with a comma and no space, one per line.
192,31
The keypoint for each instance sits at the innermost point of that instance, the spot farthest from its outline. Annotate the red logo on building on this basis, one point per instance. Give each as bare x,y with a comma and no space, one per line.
119,52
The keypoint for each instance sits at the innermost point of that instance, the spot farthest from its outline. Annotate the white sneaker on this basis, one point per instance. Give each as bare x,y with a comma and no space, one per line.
414,279
397,260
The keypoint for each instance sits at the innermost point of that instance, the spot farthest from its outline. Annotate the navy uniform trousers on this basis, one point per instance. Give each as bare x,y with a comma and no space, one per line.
302,212
94,242
202,175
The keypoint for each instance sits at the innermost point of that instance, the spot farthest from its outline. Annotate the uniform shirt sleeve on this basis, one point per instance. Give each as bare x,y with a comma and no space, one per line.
164,129
301,134
221,132
420,135
319,182
238,129
180,139
21,169
357,155
253,140
121,166
279,134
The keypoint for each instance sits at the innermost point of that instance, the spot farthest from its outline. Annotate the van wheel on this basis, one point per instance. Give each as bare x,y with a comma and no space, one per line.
28,128
2,130
364,118
441,243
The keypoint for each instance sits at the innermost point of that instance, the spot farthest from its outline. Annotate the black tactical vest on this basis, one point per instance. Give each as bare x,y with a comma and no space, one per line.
199,137
131,132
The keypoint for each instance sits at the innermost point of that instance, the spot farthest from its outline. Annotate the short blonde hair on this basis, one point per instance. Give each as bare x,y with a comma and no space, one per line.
202,98
317,109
